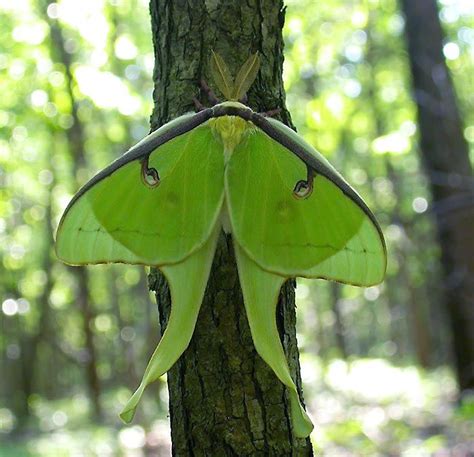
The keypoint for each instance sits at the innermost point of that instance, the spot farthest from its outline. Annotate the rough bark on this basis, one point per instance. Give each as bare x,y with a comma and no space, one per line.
445,157
224,401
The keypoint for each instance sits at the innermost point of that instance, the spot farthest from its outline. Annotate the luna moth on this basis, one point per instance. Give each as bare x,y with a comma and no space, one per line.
164,202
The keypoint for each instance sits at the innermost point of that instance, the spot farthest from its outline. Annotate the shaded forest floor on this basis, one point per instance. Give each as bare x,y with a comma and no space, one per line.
363,408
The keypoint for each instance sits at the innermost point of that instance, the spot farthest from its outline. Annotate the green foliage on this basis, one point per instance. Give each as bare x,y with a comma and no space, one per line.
348,90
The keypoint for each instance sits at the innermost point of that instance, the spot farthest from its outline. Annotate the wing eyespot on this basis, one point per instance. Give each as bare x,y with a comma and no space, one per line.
150,176
304,188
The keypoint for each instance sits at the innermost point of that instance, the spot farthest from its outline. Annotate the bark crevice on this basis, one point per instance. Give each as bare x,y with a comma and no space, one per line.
224,400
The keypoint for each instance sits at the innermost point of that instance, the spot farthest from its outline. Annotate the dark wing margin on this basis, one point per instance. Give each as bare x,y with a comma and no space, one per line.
288,139
146,146
281,134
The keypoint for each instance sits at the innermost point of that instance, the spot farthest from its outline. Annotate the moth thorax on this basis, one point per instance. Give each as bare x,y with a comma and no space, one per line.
230,130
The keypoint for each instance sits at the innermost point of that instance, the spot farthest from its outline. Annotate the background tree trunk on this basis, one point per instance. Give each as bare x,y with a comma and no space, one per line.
76,145
224,400
445,157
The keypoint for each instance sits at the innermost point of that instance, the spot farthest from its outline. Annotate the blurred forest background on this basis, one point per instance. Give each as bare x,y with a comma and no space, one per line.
378,364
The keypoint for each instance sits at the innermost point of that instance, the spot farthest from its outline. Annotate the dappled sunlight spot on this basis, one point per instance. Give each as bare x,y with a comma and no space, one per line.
325,57
383,186
373,421
394,233
314,118
98,58
358,176
328,409
302,291
311,370
359,18
361,145
452,10
53,11
335,104
19,133
369,405
23,306
466,34
103,322
45,177
352,88
419,205
59,418
372,293
159,437
132,276
59,298
18,6
353,53
132,437
10,307
469,133
87,17
104,449
125,49
295,26
164,394
38,98
451,51
376,380
7,420
127,334
106,90
70,443
32,33
59,442
148,63
408,128
395,143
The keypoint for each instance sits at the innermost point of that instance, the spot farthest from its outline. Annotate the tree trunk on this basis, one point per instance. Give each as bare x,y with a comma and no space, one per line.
224,401
445,157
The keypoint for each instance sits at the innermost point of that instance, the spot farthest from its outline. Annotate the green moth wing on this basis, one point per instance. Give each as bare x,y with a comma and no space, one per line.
187,281
291,214
153,206
329,233
261,289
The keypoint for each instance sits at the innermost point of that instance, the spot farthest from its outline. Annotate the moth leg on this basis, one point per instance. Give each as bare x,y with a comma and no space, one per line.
304,188
271,113
261,289
199,106
212,97
244,100
149,175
